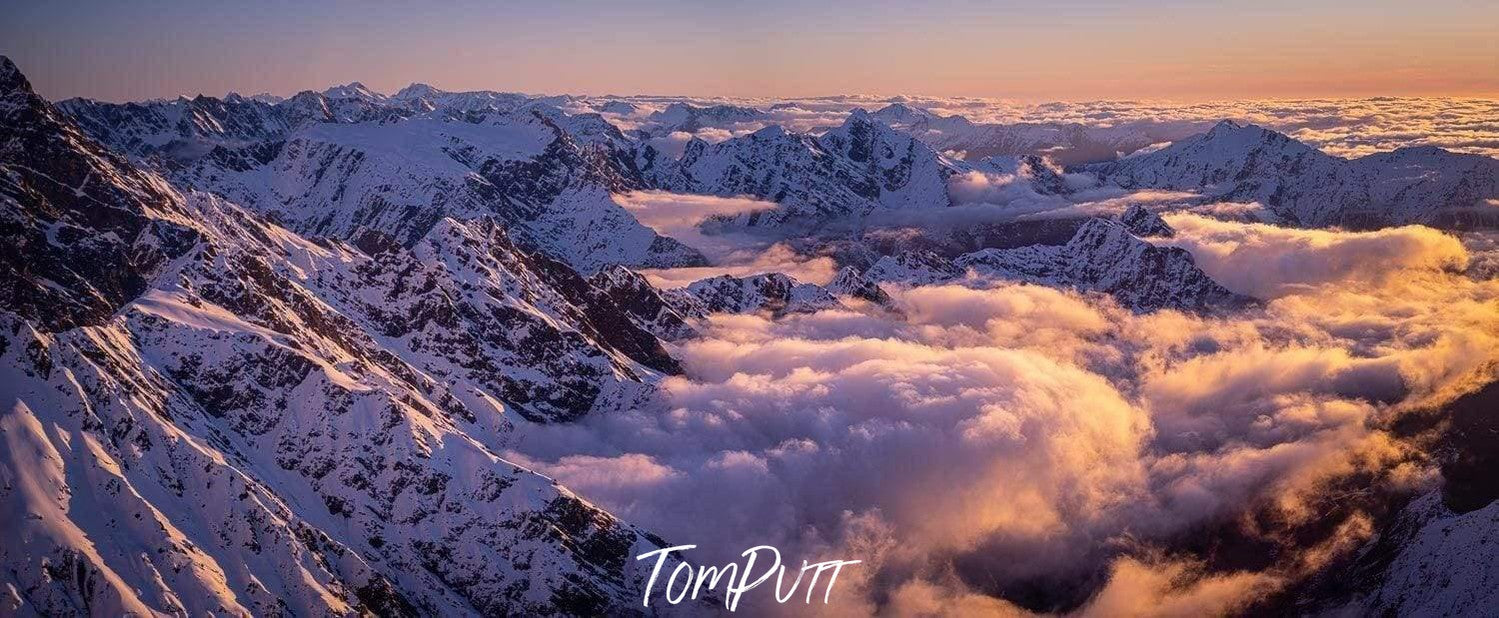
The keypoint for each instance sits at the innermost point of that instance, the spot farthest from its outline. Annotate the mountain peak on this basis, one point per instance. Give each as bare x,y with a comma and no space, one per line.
773,131
775,293
353,90
11,79
850,282
900,113
1141,222
1228,130
859,119
1226,125
415,91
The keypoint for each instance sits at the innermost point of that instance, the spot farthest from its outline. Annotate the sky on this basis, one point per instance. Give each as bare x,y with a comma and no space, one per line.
1027,50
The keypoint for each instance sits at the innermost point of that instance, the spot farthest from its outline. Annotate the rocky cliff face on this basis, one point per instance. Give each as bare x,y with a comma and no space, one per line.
645,306
207,412
84,230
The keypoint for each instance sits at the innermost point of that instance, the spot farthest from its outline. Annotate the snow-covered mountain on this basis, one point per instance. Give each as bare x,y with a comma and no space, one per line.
1103,256
818,181
550,186
773,293
670,313
849,176
690,118
1307,187
208,413
1066,143
646,306
914,268
1424,534
265,356
184,129
1141,222
85,231
851,283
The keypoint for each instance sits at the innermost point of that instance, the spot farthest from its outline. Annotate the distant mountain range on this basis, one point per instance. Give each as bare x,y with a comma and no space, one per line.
483,152
1305,187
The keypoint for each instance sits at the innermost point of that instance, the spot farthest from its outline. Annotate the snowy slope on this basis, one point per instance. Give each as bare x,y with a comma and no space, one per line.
823,180
553,192
204,412
1066,143
1445,563
1103,256
643,303
1307,187
689,118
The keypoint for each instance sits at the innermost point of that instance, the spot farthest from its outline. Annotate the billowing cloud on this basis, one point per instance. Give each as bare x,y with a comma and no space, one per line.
746,261
672,144
1267,261
1163,588
674,214
977,444
678,214
979,187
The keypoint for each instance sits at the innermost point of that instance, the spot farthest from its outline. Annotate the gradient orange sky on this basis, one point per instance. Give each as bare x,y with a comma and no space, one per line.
1024,50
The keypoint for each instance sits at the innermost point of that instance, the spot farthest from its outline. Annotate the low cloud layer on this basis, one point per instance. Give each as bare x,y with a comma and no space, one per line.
677,215
1267,261
983,443
778,258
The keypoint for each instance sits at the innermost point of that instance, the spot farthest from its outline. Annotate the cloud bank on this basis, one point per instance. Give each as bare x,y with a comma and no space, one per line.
1342,127
1020,447
677,215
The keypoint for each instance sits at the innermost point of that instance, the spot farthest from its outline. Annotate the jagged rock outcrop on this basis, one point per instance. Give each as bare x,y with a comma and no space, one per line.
642,302
773,293
850,282
83,230
1141,222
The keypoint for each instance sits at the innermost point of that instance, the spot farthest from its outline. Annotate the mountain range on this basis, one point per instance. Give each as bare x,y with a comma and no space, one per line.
265,355
208,412
1305,187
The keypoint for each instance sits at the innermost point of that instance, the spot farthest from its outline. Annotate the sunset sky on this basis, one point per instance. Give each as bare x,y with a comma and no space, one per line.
1025,50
